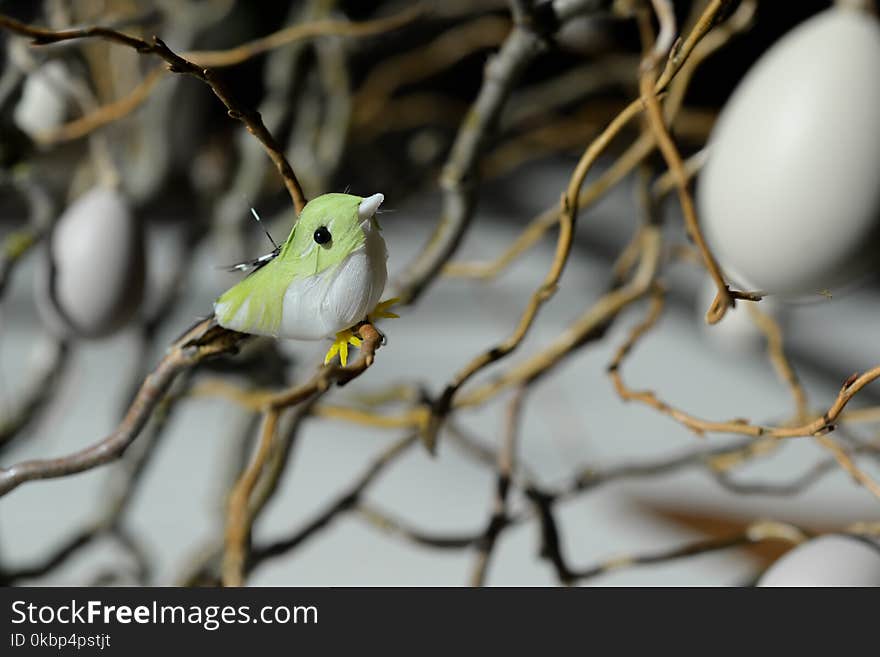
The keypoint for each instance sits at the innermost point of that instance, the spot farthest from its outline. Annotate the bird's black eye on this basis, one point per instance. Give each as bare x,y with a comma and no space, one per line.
322,235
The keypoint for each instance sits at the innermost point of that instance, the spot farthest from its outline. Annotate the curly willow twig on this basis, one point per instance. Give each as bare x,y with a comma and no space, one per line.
177,64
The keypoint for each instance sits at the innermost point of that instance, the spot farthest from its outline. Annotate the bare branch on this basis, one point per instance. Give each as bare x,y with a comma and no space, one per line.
506,464
345,502
205,340
458,179
241,513
177,64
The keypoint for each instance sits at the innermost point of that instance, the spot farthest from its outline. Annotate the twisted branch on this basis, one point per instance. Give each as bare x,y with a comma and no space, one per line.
177,64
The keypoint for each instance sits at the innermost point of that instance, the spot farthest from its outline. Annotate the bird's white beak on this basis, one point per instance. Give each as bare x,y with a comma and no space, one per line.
369,205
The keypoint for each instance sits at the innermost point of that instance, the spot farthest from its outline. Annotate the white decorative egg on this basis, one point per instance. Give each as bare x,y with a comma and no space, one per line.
92,280
737,332
43,105
789,197
831,560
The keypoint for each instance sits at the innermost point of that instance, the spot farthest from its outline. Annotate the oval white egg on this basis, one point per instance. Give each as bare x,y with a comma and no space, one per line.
92,280
831,560
43,105
789,196
737,332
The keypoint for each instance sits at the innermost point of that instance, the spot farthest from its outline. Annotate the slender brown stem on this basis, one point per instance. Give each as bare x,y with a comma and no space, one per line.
177,64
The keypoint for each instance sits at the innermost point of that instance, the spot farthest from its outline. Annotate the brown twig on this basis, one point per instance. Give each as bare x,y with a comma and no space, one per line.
859,476
667,147
177,64
386,523
610,177
548,286
424,61
115,500
124,106
505,468
716,461
240,517
349,500
203,341
105,114
817,427
522,45
310,30
776,352
590,326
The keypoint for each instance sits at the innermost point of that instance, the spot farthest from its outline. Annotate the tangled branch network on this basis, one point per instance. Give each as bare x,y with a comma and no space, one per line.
334,91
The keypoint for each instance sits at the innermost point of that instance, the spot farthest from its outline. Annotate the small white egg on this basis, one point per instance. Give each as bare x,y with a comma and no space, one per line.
831,560
43,105
789,196
92,279
737,332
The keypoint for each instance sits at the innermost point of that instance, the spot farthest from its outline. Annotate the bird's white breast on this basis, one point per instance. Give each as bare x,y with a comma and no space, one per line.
319,306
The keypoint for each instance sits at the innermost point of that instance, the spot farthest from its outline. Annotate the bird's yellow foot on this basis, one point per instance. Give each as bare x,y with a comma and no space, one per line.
340,346
381,311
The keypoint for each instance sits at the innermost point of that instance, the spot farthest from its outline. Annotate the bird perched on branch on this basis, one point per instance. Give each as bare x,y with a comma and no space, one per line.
326,278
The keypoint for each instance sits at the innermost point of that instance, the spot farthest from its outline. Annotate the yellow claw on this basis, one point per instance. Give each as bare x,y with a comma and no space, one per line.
348,337
340,346
381,310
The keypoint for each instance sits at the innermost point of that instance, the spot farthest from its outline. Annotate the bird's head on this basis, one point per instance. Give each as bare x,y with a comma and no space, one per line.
333,226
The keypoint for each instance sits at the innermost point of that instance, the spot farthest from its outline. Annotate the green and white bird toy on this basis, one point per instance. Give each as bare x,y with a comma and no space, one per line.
326,278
